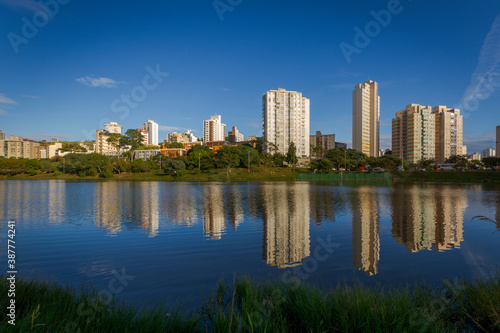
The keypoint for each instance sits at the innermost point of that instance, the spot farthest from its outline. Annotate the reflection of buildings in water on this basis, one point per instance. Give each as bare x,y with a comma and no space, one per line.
213,211
56,201
150,196
108,205
428,218
234,206
180,205
323,205
286,217
497,216
365,230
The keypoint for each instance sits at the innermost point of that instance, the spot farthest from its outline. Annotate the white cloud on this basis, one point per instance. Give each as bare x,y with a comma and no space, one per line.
385,141
486,77
476,143
169,129
102,82
5,100
30,96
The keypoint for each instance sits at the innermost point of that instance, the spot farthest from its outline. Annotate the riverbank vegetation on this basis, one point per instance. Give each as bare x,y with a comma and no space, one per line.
234,163
245,306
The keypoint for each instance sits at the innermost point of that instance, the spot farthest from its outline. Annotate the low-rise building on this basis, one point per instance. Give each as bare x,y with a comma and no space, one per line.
488,153
146,154
325,141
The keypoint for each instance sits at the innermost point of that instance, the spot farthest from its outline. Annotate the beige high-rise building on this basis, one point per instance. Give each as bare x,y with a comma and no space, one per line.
101,139
421,132
214,129
498,141
449,132
413,133
366,118
285,119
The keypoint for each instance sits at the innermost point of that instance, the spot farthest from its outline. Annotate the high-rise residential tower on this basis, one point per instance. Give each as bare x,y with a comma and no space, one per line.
421,132
152,129
366,118
449,132
214,129
413,133
2,135
285,119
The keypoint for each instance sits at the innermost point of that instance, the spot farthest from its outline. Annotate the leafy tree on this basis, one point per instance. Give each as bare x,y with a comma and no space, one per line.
246,152
426,164
278,159
140,166
322,165
86,164
491,162
200,156
114,140
291,155
177,165
317,150
175,145
72,147
227,157
132,138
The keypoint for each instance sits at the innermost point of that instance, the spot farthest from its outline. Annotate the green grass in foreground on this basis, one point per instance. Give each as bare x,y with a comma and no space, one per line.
244,306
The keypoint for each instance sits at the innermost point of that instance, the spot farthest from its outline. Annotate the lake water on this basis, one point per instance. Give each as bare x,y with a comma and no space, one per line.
174,241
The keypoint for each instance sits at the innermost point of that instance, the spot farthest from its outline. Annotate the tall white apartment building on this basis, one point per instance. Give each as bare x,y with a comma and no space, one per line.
366,118
113,127
152,129
101,139
214,129
285,119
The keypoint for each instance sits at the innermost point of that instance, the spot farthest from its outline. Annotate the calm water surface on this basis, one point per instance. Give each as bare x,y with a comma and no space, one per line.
176,240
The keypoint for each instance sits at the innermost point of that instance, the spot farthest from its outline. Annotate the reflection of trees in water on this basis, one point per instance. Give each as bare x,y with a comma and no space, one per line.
425,217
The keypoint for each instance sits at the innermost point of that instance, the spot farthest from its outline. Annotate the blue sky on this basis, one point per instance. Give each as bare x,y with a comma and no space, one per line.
67,77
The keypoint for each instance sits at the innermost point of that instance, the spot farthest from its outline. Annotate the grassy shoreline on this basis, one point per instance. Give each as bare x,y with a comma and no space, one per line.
245,306
268,174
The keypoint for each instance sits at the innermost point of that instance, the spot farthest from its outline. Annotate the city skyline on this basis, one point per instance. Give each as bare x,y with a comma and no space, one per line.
68,77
